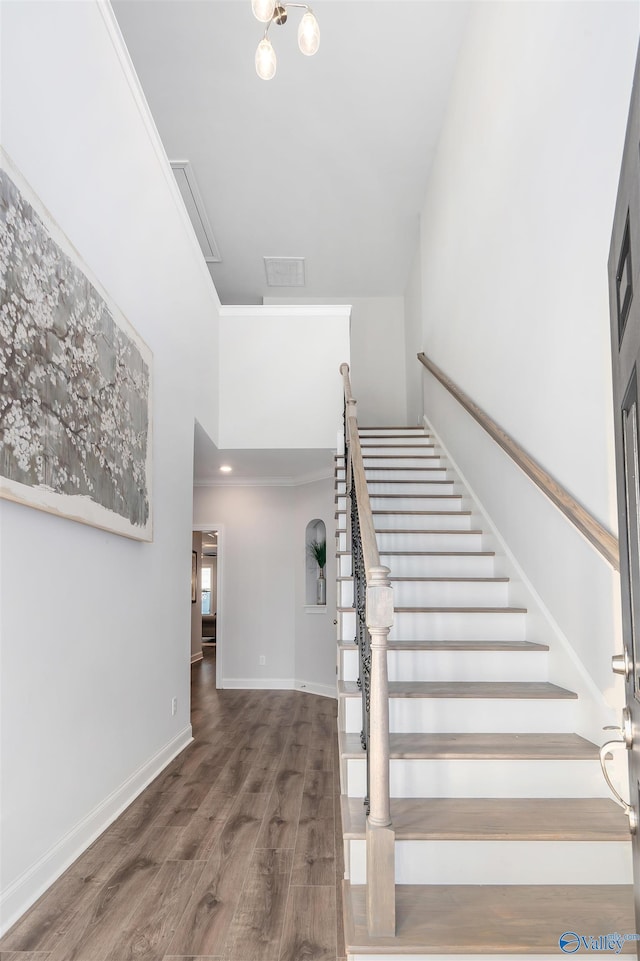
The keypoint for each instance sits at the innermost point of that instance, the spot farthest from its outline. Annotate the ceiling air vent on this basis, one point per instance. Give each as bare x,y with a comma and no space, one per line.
284,271
186,181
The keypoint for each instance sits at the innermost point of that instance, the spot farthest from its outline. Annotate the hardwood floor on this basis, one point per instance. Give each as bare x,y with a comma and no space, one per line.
234,852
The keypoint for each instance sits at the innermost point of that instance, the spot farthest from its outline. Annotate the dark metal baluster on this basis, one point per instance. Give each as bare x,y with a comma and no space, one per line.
362,638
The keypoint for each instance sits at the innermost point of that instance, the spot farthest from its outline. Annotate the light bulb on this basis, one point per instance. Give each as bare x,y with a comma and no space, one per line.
263,9
309,34
265,60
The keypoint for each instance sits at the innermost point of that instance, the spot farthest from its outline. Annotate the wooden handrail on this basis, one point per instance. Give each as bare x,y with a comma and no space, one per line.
597,535
380,836
365,515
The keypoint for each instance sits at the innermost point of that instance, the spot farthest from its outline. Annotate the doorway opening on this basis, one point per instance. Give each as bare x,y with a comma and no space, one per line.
207,634
209,588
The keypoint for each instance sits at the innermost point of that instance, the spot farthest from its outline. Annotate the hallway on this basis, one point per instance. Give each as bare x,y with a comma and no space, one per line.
233,852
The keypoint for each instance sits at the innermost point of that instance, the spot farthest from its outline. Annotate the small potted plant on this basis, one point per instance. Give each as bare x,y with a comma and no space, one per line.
318,551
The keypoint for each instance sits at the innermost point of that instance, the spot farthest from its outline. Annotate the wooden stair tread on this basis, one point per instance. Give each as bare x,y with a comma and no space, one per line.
491,919
495,819
526,690
413,530
416,496
427,553
437,530
342,512
441,580
532,747
524,646
403,480
460,610
450,610
454,580
418,513
391,427
419,496
384,553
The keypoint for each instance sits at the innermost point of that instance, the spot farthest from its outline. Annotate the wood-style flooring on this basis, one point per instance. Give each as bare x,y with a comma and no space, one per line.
234,852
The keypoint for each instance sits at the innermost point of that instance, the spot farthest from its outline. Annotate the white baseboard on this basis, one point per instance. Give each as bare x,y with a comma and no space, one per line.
324,690
33,882
279,684
196,657
259,683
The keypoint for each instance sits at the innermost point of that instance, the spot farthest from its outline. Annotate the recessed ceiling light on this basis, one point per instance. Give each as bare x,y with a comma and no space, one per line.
226,469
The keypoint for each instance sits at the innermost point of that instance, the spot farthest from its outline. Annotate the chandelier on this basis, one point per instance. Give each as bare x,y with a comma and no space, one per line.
270,11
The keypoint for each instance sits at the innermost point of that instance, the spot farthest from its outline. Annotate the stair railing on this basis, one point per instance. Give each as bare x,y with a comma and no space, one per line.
373,604
598,536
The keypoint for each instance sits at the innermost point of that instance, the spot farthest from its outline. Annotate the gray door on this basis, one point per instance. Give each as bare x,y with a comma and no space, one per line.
624,299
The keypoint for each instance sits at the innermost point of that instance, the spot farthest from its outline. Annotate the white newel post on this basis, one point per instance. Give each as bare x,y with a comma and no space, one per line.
381,911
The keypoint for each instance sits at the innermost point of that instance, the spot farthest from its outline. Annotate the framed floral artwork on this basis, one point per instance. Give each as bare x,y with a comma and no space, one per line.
75,379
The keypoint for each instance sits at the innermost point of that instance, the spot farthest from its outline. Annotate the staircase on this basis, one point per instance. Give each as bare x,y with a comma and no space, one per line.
505,836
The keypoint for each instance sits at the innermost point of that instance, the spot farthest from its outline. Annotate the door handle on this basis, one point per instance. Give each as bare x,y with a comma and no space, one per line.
621,664
628,809
626,730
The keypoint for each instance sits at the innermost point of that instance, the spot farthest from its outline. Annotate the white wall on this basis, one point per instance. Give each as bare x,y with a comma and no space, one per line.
377,363
514,241
261,603
316,637
413,341
94,627
280,381
516,227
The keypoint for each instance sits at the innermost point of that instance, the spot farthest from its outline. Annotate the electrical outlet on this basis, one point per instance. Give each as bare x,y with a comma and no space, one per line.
174,706
263,660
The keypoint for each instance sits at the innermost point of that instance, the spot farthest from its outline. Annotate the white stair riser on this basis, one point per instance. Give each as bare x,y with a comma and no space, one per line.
457,626
417,440
364,432
389,956
439,565
456,665
503,862
346,625
404,448
433,485
390,457
345,593
443,593
344,567
431,503
435,521
441,715
451,521
435,473
430,541
445,626
412,481
481,778
439,593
